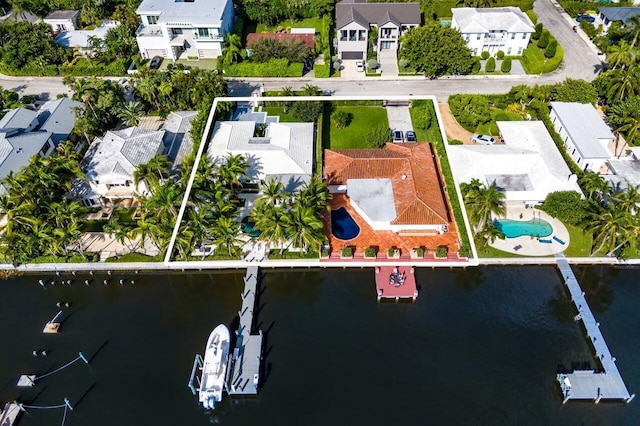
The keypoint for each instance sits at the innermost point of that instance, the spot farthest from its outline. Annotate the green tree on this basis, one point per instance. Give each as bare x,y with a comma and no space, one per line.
485,202
303,227
550,51
505,66
623,83
621,54
307,111
232,49
538,31
264,49
608,229
572,90
130,113
490,66
435,50
629,126
378,136
232,171
544,39
226,235
341,119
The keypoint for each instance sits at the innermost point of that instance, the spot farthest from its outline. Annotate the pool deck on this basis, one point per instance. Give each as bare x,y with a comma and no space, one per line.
528,246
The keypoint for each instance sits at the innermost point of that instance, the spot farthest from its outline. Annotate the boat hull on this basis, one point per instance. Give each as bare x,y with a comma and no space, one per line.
214,367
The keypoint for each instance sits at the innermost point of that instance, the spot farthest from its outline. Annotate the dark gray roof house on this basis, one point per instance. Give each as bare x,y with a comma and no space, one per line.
58,117
618,14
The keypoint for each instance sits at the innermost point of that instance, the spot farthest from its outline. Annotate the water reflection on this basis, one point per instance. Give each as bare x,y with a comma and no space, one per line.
560,306
599,292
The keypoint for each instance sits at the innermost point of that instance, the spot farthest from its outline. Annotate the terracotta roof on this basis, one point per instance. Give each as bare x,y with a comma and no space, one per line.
306,38
417,189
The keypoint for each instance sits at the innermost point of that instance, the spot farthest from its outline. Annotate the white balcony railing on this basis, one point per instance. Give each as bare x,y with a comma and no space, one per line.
149,31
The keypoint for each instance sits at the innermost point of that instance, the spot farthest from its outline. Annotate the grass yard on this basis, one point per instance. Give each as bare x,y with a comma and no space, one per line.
534,62
491,128
579,244
486,251
365,118
133,257
279,111
305,23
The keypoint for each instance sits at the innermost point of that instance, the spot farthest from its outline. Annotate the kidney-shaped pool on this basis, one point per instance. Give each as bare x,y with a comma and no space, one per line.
342,224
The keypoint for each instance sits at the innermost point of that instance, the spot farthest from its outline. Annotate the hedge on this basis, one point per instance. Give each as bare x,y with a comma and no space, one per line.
506,65
322,71
115,68
534,62
273,68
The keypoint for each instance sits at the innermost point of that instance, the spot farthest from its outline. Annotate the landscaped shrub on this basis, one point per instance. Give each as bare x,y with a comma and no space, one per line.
442,251
589,29
470,110
506,65
475,68
370,252
346,252
341,119
419,251
392,251
550,51
337,65
538,32
456,142
567,206
485,55
402,63
373,64
544,39
490,66
273,68
321,71
500,54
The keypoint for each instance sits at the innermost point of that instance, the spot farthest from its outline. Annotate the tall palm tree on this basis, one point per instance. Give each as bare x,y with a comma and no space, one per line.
630,126
142,230
487,201
225,233
232,49
594,186
623,83
627,200
315,194
273,192
303,227
269,220
608,228
130,113
232,170
621,54
633,29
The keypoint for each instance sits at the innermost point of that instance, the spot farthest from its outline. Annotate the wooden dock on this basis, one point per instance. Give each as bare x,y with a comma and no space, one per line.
244,377
396,283
590,384
9,414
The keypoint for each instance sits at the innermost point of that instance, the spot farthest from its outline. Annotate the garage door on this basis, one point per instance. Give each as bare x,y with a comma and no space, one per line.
156,52
351,55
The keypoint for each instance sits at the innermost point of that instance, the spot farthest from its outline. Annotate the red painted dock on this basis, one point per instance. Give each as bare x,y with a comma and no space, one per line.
396,283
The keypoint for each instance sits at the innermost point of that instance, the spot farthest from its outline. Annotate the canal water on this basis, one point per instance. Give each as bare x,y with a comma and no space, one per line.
480,346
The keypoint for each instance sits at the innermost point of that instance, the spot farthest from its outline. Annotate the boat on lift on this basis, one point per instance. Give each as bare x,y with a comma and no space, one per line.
214,367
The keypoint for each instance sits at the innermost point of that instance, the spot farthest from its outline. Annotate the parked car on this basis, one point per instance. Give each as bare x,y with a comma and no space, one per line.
359,66
397,136
410,136
155,62
482,139
586,18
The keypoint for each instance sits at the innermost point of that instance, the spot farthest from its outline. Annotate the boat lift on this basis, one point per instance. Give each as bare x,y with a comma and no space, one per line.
197,365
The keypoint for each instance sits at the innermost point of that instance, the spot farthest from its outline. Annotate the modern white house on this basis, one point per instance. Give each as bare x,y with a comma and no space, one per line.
355,19
284,152
608,15
177,29
527,167
493,29
62,20
585,134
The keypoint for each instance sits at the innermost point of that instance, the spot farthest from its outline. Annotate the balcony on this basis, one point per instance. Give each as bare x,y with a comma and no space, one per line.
205,38
149,31
495,37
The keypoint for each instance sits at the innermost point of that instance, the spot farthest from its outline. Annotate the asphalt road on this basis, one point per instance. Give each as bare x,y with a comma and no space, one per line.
580,62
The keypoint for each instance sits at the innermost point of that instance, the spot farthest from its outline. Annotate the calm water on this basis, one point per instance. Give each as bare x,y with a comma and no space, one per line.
479,346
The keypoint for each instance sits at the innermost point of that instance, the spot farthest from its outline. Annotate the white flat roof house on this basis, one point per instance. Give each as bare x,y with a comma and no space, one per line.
584,133
62,20
527,167
285,153
493,29
182,28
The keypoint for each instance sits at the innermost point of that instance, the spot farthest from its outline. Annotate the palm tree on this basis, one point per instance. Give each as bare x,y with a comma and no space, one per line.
487,201
130,113
310,90
608,228
232,170
142,230
287,91
621,54
316,195
164,202
269,220
232,49
630,126
273,192
226,234
633,28
623,83
164,90
594,186
627,200
304,227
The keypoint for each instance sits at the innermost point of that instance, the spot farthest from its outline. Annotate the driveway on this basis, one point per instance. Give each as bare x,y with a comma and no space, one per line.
399,118
452,128
349,71
388,62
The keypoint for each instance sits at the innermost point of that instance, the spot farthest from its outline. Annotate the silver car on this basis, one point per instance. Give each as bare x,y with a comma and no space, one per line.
482,139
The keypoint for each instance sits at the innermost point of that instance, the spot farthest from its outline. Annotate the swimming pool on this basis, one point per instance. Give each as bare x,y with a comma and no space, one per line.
342,224
518,228
247,227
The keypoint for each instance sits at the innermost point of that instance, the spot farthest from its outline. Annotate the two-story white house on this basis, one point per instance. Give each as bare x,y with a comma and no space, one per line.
356,18
62,20
493,29
585,134
181,28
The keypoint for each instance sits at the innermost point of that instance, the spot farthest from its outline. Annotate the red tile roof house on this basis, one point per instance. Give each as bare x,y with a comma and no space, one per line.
396,192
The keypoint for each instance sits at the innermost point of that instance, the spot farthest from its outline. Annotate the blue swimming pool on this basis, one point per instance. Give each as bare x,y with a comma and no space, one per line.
342,224
518,228
247,227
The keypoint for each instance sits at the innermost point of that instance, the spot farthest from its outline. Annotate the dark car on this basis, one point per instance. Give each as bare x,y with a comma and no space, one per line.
410,136
155,62
586,18
397,136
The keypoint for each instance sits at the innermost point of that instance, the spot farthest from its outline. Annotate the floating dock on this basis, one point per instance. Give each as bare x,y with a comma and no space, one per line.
396,283
590,384
244,376
9,414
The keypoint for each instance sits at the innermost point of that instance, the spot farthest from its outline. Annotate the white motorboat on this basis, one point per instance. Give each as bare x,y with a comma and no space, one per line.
214,367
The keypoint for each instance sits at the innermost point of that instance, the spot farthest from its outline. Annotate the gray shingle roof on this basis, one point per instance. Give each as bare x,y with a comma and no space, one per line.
61,14
16,151
377,13
19,118
585,127
619,13
119,152
177,137
58,117
510,19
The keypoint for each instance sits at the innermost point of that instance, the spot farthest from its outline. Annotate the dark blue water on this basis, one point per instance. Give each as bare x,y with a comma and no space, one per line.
479,346
342,224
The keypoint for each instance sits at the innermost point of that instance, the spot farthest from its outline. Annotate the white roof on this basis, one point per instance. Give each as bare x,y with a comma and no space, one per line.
194,12
374,197
286,150
509,19
80,38
529,164
585,128
114,157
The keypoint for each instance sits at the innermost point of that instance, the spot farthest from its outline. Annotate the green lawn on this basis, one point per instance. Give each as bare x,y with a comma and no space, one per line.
534,62
488,251
491,128
579,244
305,23
279,111
365,118
133,257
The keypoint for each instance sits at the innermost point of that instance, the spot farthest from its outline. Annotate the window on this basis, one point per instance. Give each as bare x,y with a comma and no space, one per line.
478,38
509,51
203,32
524,36
513,35
352,35
46,147
152,20
176,31
343,35
362,35
386,32
519,50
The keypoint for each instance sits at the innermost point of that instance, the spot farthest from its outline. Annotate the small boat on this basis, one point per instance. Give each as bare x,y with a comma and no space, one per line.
214,367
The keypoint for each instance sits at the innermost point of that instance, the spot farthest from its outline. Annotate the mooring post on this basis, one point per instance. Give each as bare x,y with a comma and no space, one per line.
81,356
68,404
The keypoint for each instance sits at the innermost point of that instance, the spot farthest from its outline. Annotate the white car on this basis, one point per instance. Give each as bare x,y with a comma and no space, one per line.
482,139
359,66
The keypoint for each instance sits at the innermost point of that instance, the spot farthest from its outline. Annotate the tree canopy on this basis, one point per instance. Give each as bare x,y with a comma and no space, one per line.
263,49
24,44
435,51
